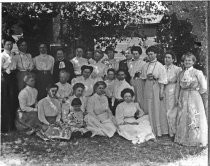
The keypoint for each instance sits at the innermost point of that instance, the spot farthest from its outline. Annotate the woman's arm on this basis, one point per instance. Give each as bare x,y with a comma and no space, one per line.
41,114
23,102
119,115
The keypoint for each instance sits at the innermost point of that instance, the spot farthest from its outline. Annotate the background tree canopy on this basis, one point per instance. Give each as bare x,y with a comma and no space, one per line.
87,21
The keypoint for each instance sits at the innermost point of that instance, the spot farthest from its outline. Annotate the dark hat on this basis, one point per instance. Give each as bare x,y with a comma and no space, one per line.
87,67
76,101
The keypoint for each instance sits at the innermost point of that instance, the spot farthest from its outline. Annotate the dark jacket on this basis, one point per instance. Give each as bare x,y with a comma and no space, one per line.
123,66
68,67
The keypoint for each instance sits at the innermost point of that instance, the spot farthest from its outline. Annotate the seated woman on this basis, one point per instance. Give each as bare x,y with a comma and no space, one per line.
75,117
132,123
49,113
27,117
86,80
78,90
99,119
64,88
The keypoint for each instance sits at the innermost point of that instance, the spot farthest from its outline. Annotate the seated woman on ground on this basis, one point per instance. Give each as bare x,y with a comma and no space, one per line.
75,117
49,113
132,123
99,119
27,117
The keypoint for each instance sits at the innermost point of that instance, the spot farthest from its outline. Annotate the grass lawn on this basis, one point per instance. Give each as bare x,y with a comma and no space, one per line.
20,149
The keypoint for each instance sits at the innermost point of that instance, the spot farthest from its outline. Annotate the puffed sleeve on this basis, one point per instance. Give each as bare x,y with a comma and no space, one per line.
119,114
41,114
162,75
22,97
202,81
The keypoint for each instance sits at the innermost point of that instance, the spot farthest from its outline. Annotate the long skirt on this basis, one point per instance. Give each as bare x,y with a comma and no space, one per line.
20,77
138,85
192,129
155,108
42,81
103,127
9,101
27,120
137,133
171,109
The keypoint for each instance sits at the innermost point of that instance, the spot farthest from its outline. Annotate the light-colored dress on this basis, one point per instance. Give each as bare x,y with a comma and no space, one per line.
44,65
152,103
192,129
49,112
111,63
110,88
137,83
99,119
78,62
24,64
27,116
83,100
64,90
137,133
169,96
88,83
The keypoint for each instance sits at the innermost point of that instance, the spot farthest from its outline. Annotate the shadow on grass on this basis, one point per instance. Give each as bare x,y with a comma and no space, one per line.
93,151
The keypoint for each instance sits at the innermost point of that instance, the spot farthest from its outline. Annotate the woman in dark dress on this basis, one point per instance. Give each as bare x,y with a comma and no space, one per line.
9,102
62,64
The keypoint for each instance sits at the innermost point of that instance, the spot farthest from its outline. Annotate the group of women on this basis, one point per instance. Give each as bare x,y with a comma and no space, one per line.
99,95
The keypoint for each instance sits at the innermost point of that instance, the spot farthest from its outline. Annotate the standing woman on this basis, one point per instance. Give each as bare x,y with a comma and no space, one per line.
99,119
9,100
154,74
135,70
192,129
24,62
44,65
170,89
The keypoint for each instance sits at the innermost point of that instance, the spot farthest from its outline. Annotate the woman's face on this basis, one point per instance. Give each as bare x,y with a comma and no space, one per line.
8,45
23,47
52,92
31,82
136,54
79,52
188,62
110,54
60,55
43,49
86,73
63,78
121,75
128,54
100,90
152,56
110,75
168,59
127,97
79,92
97,56
89,54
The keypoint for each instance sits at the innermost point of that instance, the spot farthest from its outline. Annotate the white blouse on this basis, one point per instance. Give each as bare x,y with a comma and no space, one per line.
24,61
8,61
64,90
27,97
44,62
78,62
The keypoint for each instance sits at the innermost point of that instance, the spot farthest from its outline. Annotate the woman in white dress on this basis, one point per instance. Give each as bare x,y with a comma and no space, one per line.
132,123
169,91
99,119
192,128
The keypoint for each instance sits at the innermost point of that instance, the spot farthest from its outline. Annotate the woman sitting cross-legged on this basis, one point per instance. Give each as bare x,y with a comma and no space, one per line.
99,119
49,113
132,123
27,117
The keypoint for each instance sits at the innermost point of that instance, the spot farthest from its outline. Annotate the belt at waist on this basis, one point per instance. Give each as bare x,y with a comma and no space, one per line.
45,71
189,89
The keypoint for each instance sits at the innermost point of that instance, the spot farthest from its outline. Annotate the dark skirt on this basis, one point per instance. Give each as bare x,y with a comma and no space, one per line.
9,101
43,79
